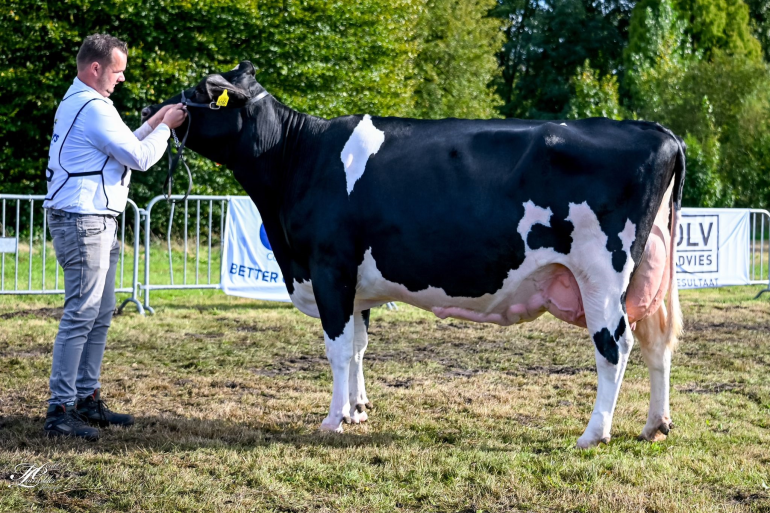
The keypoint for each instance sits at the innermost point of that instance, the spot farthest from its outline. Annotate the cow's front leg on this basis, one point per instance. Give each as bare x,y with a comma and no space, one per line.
358,400
334,292
339,352
612,347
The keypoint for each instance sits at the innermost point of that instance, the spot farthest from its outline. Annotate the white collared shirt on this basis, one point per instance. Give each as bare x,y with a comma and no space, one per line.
92,152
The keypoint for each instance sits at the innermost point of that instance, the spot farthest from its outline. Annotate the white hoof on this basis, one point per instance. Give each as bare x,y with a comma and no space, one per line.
358,417
656,431
330,424
586,442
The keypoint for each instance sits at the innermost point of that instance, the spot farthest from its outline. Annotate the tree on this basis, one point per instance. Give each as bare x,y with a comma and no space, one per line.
759,13
547,42
716,99
456,61
658,55
720,25
594,95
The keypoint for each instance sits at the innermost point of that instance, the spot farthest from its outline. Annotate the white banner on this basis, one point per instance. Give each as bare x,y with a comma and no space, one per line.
249,268
712,247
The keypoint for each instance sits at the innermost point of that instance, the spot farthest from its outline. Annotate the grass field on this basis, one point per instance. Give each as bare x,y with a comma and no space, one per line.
229,393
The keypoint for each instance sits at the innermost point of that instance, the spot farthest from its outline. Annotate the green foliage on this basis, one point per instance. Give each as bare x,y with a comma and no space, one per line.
759,13
323,57
658,56
594,95
457,61
547,42
720,25
703,186
719,104
747,148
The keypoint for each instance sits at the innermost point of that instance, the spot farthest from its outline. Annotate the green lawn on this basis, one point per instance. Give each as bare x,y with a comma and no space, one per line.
229,393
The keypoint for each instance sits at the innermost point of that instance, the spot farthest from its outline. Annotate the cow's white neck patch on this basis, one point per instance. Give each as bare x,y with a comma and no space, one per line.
364,142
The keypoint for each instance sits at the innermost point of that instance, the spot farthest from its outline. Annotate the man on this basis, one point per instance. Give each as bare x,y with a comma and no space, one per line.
89,168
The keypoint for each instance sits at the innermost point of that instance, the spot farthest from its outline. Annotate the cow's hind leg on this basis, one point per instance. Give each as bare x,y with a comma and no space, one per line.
652,334
608,325
358,400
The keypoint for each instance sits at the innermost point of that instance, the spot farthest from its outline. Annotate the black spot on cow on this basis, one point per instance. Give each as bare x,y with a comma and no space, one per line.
618,260
557,236
606,345
623,301
621,328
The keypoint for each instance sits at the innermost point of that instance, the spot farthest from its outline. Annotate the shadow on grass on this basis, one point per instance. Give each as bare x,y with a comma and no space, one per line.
173,432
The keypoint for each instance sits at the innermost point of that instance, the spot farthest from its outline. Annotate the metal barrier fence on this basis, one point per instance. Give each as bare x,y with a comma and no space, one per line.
21,216
209,204
760,221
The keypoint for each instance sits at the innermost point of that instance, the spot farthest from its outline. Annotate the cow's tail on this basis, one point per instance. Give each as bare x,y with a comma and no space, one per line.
674,317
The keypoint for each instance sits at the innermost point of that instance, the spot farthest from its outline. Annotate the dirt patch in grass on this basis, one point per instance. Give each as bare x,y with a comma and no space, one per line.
552,370
291,365
707,388
706,326
25,352
40,313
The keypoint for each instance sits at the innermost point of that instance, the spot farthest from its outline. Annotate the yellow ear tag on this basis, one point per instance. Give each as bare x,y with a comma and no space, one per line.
223,99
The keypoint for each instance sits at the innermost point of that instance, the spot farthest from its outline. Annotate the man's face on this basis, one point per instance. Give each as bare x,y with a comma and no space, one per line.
111,73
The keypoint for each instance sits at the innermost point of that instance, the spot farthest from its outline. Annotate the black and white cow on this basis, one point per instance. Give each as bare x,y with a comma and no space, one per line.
490,221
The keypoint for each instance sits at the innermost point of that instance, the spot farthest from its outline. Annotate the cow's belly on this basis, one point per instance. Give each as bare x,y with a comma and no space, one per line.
523,296
549,288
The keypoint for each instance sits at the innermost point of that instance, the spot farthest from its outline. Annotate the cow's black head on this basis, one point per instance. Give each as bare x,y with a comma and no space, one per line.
213,133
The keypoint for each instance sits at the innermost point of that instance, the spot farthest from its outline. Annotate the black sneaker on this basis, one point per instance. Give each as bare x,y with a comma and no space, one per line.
95,412
63,420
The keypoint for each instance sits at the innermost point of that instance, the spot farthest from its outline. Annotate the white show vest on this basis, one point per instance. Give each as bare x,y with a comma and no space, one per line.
84,174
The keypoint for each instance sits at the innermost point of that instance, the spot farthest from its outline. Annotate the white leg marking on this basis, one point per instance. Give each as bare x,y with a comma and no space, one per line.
364,142
339,351
610,379
358,397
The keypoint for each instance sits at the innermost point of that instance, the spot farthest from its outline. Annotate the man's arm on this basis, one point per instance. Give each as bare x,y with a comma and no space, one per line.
107,132
152,123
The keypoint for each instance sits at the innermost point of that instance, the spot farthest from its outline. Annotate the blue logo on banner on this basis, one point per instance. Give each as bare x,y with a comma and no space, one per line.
263,238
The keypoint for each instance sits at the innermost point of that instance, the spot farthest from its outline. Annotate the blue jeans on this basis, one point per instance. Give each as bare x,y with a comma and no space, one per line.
87,249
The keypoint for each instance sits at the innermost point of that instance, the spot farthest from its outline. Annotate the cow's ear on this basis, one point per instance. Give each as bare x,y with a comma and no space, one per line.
247,67
215,87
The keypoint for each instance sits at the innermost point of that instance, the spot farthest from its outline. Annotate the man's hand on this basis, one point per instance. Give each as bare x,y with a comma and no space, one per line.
175,115
157,118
